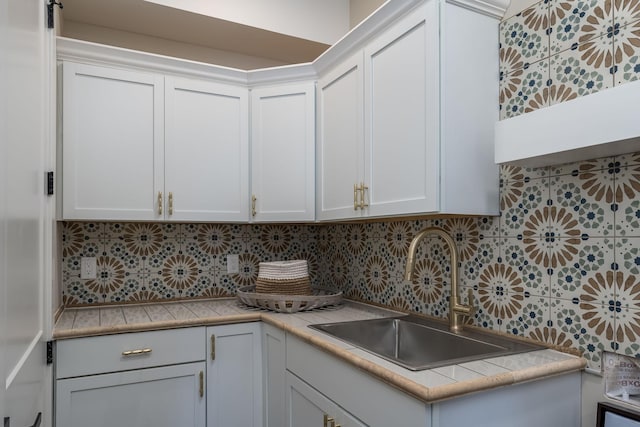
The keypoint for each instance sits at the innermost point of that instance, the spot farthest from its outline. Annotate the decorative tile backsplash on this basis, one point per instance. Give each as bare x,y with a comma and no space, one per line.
557,50
561,264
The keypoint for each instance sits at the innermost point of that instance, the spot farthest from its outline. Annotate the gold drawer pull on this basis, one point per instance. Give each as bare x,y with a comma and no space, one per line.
253,205
137,352
201,384
159,202
170,203
363,188
213,347
355,197
329,422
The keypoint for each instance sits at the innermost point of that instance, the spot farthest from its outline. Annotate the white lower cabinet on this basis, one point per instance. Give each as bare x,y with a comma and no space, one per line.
157,397
148,379
234,375
306,407
273,375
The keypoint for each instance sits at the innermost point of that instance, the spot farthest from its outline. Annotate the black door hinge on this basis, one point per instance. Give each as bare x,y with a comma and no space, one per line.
50,12
49,183
49,352
7,422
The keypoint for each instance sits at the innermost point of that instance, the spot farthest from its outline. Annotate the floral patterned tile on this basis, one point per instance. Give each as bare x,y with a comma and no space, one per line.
584,168
629,159
526,33
525,214
627,338
627,276
584,69
628,218
574,22
528,89
627,53
627,184
488,253
579,268
626,11
590,328
586,206
521,257
531,313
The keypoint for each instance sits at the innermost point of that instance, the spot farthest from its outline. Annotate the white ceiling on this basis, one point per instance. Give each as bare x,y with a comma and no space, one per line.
147,19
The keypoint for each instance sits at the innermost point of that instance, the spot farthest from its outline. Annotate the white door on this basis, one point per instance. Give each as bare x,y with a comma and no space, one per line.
168,396
339,151
234,375
206,151
401,138
112,140
25,211
283,152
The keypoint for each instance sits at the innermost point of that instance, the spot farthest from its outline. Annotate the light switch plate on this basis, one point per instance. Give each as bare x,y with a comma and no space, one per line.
88,268
233,264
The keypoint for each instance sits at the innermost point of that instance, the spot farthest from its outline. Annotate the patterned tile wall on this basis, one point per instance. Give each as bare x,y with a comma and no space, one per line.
138,262
558,50
561,264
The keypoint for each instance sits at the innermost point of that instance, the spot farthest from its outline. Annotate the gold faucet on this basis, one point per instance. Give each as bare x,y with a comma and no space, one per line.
457,312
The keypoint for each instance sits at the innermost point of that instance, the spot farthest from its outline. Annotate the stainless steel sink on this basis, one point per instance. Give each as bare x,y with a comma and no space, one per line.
417,343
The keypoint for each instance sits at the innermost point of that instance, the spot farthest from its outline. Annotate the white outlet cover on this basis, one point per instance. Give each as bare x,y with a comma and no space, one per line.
233,264
88,268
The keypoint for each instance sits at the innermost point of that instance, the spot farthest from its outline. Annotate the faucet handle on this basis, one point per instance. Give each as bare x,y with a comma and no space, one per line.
472,308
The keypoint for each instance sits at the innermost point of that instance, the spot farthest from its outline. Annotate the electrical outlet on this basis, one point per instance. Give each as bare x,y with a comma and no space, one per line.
88,268
233,264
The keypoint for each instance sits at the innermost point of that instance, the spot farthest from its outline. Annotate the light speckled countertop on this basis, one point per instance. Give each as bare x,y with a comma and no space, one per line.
429,385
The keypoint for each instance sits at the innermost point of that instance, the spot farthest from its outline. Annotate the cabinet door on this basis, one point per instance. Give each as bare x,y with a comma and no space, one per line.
157,397
306,407
401,118
234,376
274,369
206,151
339,151
283,153
112,148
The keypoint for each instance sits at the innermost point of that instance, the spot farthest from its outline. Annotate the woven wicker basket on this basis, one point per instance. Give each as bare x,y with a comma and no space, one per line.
284,277
320,298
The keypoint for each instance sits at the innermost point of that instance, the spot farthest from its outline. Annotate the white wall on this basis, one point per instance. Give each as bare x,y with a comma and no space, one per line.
103,35
321,21
360,9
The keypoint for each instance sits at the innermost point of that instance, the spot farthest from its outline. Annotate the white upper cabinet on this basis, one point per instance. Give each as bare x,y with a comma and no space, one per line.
401,165
113,150
339,148
282,153
139,146
206,151
403,126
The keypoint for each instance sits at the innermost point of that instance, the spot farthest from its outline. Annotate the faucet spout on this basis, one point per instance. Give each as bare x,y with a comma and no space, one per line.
457,312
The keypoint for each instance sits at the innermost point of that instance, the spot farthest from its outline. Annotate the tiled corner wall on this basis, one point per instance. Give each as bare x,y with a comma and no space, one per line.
561,264
558,50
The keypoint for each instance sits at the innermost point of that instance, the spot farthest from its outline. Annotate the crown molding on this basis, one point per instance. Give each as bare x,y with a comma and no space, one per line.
493,8
99,54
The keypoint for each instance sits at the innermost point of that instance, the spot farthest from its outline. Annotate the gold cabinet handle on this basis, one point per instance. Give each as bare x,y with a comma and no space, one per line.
137,352
362,190
201,384
159,202
355,197
253,204
213,347
329,421
170,203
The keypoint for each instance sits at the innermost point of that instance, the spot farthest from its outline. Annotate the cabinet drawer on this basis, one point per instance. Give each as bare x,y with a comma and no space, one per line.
111,353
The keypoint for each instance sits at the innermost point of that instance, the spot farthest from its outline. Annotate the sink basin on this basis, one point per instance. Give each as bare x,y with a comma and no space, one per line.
417,343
